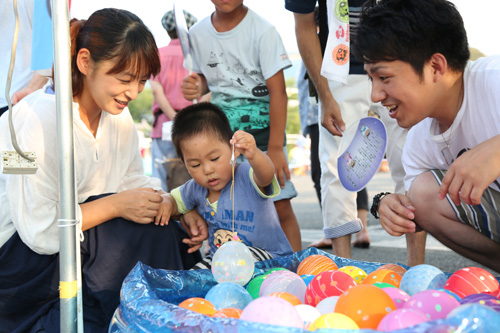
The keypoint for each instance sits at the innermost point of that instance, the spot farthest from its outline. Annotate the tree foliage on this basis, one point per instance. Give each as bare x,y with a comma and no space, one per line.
140,108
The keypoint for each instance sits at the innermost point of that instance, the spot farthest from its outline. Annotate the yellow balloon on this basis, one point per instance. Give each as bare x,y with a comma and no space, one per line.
334,320
355,272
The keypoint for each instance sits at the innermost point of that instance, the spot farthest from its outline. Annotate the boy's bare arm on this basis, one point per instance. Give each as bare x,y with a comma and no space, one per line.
263,168
277,116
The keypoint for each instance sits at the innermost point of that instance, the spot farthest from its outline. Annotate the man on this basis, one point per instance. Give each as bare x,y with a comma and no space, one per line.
415,53
341,104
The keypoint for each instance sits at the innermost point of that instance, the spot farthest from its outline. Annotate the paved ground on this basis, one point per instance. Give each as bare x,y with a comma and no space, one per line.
384,248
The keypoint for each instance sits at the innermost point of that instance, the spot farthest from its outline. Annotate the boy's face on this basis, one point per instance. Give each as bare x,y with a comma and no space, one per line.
408,97
207,160
227,6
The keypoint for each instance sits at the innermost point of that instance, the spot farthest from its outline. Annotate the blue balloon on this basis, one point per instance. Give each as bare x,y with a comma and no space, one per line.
228,295
422,277
307,278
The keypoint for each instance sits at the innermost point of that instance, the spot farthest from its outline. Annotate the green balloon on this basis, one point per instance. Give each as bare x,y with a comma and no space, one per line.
253,287
383,285
275,269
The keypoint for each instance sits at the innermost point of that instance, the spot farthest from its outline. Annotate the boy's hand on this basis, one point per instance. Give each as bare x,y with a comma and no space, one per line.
165,210
245,144
196,228
192,87
278,158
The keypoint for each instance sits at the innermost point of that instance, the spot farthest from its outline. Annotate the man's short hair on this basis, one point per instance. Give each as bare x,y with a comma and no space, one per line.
200,118
411,31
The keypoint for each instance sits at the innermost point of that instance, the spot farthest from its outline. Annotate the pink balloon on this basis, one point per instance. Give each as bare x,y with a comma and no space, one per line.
435,304
399,296
401,318
273,311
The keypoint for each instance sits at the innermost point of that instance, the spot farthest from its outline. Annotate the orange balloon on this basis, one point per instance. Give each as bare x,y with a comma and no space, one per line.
292,299
228,313
395,267
383,275
200,305
365,304
316,264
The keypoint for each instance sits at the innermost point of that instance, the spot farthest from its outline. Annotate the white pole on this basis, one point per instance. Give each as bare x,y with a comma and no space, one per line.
67,222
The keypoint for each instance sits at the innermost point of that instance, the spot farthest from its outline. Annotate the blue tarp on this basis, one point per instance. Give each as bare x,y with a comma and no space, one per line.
149,299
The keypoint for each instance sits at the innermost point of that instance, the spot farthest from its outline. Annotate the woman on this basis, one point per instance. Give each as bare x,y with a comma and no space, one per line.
113,55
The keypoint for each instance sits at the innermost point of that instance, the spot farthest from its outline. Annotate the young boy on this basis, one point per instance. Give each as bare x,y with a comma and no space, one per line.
202,137
416,54
239,57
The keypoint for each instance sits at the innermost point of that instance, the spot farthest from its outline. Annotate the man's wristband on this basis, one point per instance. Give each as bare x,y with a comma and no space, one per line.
376,202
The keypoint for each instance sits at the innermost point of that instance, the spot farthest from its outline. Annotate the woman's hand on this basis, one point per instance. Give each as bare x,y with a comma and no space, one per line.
139,205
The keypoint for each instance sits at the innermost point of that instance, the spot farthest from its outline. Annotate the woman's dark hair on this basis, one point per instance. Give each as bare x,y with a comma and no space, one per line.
114,34
201,118
411,31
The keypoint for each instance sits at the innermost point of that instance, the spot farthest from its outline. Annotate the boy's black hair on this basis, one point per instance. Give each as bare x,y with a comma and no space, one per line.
200,118
411,31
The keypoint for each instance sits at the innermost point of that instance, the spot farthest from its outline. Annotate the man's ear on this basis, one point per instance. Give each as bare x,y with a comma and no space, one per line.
439,65
83,61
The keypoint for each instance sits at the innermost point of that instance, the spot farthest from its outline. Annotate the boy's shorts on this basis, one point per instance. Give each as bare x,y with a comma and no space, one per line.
287,192
484,217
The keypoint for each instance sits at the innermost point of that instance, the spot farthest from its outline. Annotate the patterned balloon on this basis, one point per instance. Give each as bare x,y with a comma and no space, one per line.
334,321
284,281
394,267
471,280
228,313
273,311
326,284
233,262
316,264
477,298
422,277
308,314
228,295
292,299
327,305
365,304
434,304
198,304
401,318
385,276
399,297
253,287
355,272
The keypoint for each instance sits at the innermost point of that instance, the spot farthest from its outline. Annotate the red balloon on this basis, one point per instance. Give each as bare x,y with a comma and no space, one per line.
327,284
471,280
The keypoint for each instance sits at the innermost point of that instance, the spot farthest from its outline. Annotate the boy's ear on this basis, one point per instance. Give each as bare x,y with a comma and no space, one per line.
83,61
439,65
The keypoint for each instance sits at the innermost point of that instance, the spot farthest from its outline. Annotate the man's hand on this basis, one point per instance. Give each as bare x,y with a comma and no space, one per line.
331,117
396,214
196,228
471,173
